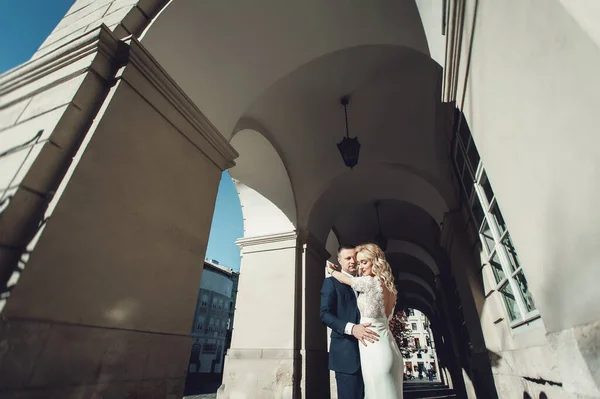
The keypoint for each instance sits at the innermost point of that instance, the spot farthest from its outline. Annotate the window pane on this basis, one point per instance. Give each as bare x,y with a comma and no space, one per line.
487,238
473,155
477,211
511,253
487,188
460,158
497,215
510,302
464,133
468,185
524,290
497,268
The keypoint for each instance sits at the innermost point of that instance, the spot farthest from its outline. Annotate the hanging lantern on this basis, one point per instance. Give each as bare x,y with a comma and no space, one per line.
349,147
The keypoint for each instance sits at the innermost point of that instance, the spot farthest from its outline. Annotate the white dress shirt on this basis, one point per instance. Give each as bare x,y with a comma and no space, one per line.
348,329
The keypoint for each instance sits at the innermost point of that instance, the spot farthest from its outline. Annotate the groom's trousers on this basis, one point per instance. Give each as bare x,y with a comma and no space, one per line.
350,386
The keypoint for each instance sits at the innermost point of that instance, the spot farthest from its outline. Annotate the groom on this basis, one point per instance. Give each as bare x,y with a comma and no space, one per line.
340,313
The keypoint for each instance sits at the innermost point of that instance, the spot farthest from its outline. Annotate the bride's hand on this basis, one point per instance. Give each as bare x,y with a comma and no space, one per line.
331,267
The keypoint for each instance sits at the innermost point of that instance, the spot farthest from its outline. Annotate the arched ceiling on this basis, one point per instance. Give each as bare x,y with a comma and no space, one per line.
415,301
404,277
394,96
269,75
280,69
224,54
365,185
416,251
404,263
276,190
398,220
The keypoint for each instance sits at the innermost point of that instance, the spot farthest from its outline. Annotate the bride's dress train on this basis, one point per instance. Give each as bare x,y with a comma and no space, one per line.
381,362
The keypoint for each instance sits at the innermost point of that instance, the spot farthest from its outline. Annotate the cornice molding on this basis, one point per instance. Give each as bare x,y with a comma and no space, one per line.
112,59
140,58
267,239
100,41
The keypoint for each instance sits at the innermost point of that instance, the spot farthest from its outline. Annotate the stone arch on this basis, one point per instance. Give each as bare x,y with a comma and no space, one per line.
268,205
245,70
416,251
402,276
407,186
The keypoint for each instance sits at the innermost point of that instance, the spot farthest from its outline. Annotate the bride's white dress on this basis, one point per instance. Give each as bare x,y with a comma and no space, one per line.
381,362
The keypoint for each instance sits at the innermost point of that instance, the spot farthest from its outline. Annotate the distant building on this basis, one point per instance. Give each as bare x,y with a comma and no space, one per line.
423,341
213,318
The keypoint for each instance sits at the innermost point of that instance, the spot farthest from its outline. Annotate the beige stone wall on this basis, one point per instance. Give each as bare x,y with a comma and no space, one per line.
105,302
57,95
123,17
264,348
531,107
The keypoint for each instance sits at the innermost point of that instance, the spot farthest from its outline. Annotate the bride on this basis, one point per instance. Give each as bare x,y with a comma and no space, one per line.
381,362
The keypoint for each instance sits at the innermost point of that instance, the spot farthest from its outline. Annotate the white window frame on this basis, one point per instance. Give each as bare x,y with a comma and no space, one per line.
477,193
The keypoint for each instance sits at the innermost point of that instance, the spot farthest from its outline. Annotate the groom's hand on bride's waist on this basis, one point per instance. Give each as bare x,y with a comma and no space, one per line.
364,334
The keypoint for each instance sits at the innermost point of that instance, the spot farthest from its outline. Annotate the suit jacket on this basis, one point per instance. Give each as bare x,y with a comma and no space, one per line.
338,307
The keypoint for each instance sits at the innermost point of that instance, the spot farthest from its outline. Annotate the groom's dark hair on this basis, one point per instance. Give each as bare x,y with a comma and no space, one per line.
345,246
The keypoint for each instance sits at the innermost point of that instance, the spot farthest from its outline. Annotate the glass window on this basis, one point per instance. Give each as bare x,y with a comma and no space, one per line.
487,238
468,181
464,133
487,188
493,230
473,156
511,253
524,291
497,268
510,302
414,326
460,158
477,212
498,219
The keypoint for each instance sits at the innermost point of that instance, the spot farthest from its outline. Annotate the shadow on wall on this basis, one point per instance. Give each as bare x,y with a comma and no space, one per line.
494,358
528,396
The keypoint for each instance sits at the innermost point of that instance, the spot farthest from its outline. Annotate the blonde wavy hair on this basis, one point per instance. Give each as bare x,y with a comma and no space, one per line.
381,268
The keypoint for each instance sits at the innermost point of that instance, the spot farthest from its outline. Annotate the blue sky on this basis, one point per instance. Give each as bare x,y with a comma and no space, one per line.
24,25
227,226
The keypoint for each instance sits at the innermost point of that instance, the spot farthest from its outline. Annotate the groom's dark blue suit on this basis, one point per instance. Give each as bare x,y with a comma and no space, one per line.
338,307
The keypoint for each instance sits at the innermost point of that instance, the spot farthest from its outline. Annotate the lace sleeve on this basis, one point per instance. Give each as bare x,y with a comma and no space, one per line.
363,284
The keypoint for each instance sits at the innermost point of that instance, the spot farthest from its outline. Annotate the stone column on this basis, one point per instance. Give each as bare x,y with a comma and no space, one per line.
315,358
263,360
105,300
279,346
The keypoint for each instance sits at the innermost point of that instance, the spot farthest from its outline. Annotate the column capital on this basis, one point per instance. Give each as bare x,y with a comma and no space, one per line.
73,59
268,242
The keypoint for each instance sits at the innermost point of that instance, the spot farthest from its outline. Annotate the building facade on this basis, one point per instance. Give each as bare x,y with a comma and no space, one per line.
213,318
477,125
424,345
